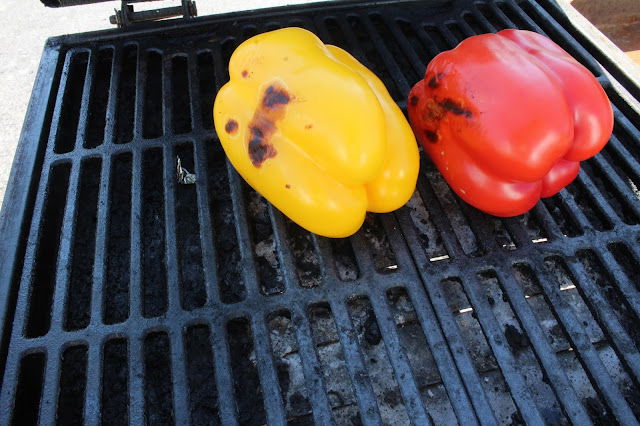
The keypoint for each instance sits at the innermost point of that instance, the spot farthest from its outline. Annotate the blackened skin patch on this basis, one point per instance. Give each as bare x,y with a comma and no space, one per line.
231,126
263,124
431,136
275,97
434,81
414,100
454,107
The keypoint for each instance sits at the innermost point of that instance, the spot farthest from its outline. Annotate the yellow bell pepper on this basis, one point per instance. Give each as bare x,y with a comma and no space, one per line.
315,132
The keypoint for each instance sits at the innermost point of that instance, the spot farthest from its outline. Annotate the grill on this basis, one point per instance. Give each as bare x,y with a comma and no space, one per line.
127,297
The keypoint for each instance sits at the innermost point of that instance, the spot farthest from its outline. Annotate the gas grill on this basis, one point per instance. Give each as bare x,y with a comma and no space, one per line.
127,297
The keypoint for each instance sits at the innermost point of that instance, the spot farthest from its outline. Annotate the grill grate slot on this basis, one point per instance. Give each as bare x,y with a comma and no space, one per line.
181,111
376,361
153,101
304,249
340,392
126,79
345,260
265,248
72,386
288,364
97,118
228,259
116,282
154,275
29,390
153,301
71,102
78,301
203,396
191,279
420,359
114,398
44,274
157,383
248,392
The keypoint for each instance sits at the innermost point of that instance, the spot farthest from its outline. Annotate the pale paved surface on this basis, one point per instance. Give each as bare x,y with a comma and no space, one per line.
24,27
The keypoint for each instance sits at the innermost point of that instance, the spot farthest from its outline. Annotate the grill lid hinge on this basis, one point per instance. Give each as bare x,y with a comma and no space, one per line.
126,16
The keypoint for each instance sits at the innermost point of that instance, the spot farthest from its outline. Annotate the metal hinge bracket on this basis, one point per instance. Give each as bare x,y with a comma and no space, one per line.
126,16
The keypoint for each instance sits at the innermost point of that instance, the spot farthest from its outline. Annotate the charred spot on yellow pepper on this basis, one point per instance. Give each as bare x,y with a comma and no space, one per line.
308,126
231,126
245,73
287,186
263,125
275,96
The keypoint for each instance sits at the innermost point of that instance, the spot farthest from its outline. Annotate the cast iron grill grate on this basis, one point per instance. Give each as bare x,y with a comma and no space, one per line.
142,300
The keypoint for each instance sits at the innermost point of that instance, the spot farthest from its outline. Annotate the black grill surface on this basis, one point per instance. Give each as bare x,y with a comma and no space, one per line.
128,297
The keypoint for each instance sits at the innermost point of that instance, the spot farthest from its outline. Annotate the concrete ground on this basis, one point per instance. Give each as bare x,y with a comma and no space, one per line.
26,24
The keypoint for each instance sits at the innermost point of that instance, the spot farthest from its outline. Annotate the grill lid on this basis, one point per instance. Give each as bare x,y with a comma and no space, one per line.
132,298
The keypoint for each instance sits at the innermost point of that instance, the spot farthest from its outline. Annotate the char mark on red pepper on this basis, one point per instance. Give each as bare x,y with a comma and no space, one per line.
454,107
434,81
231,126
431,136
414,100
275,97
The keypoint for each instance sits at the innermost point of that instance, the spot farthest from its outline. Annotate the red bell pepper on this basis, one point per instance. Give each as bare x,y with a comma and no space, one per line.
507,118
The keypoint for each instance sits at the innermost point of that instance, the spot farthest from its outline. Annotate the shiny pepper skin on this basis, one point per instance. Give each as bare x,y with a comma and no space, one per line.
507,118
315,132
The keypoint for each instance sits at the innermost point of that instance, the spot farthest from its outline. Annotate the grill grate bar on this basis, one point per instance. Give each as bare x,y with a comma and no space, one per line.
551,228
249,275
81,133
450,242
268,379
390,63
369,411
224,381
623,153
92,404
178,377
136,380
135,273
66,238
622,343
630,200
109,137
451,332
416,62
545,354
50,386
583,347
598,199
624,284
398,358
170,249
316,388
100,246
446,367
574,213
517,386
